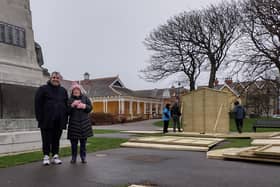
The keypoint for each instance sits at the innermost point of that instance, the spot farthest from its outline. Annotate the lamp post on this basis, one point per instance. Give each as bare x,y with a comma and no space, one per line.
178,92
278,94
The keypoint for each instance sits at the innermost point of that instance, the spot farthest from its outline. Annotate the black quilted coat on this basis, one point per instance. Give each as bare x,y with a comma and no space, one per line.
51,107
79,121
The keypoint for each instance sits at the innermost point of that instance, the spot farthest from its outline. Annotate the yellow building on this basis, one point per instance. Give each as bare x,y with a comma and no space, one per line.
109,95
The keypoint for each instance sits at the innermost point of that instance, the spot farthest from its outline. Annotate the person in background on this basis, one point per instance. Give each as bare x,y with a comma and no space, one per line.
175,114
51,113
239,115
79,128
166,115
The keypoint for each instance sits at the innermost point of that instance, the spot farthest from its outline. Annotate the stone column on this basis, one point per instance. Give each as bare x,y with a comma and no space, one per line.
104,106
151,108
138,107
131,108
123,108
145,108
120,109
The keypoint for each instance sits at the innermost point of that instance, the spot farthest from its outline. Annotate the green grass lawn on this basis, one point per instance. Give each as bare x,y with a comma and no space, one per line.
105,131
94,144
234,142
248,123
247,126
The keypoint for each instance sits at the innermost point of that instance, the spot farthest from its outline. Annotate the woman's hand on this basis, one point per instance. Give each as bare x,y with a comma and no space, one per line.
81,106
75,103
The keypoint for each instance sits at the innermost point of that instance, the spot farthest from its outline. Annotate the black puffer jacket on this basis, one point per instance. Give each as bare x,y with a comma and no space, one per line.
79,121
51,106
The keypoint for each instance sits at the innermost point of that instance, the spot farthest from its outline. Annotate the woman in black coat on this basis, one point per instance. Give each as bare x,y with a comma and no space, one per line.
79,128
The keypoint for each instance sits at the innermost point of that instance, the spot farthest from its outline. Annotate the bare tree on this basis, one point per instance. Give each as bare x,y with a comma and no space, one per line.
261,26
172,53
215,31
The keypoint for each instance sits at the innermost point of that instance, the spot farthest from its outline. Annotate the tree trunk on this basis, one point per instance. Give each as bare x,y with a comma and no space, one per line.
192,85
212,76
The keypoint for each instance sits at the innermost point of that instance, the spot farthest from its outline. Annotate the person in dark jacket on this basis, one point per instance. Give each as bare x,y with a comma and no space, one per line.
51,113
166,115
239,115
175,114
79,128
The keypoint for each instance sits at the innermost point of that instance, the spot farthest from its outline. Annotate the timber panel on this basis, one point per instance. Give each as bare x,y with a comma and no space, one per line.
205,111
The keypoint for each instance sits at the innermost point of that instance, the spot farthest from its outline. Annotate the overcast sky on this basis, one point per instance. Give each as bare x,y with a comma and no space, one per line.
103,37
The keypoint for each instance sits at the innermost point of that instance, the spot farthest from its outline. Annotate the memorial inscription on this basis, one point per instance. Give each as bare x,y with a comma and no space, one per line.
12,35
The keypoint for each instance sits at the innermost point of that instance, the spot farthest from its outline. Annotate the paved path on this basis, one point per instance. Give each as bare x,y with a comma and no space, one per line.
135,126
118,167
124,166
138,126
115,135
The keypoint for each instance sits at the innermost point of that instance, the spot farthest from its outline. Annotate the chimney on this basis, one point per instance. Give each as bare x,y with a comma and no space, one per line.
216,83
228,81
86,76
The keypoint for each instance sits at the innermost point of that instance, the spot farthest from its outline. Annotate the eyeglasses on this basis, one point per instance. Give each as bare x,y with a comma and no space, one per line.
57,78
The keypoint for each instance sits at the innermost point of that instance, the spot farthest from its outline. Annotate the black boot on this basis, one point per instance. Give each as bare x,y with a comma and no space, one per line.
84,161
73,160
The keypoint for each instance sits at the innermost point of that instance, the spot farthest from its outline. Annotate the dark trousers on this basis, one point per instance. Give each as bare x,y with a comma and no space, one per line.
239,125
176,123
50,140
74,148
165,126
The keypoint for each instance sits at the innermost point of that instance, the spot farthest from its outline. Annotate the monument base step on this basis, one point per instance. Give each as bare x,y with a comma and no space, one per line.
19,142
11,125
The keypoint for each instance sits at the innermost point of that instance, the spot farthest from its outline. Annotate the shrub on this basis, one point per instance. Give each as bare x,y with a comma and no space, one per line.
121,118
100,118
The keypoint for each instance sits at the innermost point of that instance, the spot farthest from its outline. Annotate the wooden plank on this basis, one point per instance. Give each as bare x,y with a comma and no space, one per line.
237,151
219,153
271,151
250,158
141,132
218,117
164,147
173,140
262,142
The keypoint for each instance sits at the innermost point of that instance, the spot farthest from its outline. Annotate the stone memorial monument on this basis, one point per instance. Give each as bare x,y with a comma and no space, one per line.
20,66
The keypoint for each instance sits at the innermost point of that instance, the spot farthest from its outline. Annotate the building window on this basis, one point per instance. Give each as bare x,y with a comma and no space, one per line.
12,35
